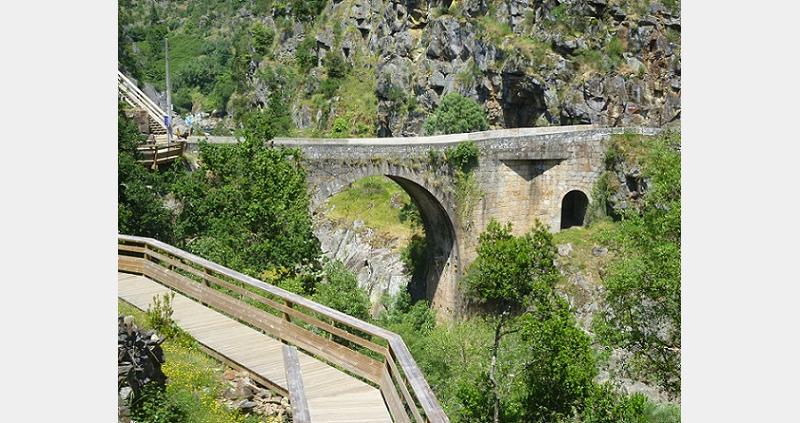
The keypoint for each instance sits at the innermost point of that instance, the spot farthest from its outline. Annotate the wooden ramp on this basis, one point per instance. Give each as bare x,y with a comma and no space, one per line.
332,395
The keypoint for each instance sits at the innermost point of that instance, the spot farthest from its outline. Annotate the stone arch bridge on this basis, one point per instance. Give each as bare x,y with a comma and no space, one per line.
523,175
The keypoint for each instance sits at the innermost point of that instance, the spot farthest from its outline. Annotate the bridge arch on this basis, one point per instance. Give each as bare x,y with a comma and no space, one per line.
437,281
573,209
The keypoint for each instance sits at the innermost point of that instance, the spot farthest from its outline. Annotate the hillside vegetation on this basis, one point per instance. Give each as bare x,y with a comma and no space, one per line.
362,68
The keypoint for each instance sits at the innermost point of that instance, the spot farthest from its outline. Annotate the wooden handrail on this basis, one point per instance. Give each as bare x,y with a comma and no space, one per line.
132,94
394,366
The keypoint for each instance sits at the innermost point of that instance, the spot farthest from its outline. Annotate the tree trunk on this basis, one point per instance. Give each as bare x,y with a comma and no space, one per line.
492,371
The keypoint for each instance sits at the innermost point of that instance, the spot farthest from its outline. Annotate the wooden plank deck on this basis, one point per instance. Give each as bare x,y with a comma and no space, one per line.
333,396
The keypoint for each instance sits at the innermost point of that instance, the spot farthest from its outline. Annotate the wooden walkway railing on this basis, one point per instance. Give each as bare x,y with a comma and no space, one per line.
136,98
378,356
153,155
294,382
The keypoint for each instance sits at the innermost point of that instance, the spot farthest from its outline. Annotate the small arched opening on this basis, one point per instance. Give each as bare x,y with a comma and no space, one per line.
573,209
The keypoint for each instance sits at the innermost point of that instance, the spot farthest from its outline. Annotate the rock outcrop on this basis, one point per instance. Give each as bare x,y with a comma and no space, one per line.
530,63
377,266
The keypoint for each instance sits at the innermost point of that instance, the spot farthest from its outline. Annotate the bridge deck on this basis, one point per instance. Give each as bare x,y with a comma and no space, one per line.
332,395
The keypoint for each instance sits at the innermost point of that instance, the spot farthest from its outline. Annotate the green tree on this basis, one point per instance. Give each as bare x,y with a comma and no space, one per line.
510,272
140,208
456,114
560,365
247,207
643,283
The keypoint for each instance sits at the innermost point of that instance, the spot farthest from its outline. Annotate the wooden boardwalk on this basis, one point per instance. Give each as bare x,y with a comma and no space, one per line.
332,395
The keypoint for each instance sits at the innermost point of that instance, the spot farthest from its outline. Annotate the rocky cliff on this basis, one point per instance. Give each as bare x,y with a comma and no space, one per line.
377,266
528,62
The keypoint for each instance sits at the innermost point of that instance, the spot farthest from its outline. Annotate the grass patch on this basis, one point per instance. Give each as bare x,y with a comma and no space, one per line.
360,104
583,240
194,379
378,202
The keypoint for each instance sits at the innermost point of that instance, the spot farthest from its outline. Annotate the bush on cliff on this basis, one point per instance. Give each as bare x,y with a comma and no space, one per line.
456,114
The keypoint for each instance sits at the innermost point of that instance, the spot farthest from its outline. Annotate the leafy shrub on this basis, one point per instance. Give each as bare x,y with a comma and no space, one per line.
561,365
340,128
155,406
456,114
508,268
159,315
307,10
304,54
262,38
248,207
335,65
340,291
463,157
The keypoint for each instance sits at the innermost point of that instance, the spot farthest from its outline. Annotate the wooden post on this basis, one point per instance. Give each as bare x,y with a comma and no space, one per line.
294,382
285,314
169,95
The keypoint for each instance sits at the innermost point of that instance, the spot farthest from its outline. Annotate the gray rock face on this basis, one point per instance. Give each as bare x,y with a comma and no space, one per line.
379,270
529,63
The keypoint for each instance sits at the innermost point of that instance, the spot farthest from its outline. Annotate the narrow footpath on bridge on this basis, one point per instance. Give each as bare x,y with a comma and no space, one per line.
332,395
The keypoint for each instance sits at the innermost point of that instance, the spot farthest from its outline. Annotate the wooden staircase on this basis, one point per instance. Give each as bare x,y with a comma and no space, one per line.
150,119
141,103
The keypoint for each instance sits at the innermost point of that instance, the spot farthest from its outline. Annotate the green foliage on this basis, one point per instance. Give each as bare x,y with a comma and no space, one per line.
159,315
467,195
140,209
603,60
643,284
508,268
561,365
154,406
336,69
413,317
247,208
335,66
415,260
356,93
435,157
304,54
606,405
456,114
614,49
492,29
598,209
306,10
263,38
340,291
454,360
340,128
463,157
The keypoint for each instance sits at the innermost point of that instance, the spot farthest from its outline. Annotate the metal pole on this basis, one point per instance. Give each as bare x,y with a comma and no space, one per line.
169,95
